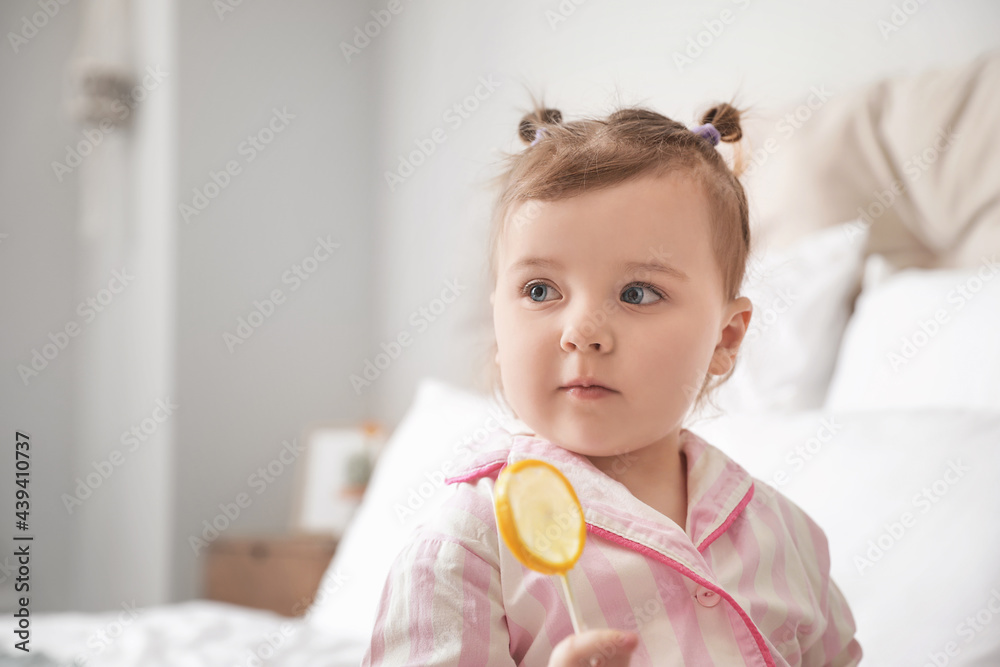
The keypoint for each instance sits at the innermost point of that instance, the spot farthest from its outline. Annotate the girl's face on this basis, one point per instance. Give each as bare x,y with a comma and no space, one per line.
619,285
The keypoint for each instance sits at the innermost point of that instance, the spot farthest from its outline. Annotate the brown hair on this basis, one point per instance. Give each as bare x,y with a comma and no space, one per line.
566,159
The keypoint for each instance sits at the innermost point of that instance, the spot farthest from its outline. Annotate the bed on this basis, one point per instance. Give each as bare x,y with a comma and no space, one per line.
868,391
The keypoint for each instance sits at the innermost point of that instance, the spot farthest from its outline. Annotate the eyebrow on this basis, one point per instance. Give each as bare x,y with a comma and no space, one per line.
541,262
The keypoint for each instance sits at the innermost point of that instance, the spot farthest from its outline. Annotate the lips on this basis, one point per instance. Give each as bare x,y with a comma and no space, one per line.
587,393
586,382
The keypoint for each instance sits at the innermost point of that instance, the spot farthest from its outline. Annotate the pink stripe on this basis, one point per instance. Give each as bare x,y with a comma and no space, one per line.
652,553
721,488
787,515
475,611
668,534
377,649
822,550
469,501
723,478
709,559
693,446
729,520
779,571
684,622
831,641
633,521
421,604
834,636
611,595
476,472
748,549
557,623
520,640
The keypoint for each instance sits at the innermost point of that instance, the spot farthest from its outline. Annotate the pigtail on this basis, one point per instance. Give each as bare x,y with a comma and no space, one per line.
726,119
532,122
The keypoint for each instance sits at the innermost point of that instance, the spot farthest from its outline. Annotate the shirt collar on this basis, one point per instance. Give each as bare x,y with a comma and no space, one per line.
718,491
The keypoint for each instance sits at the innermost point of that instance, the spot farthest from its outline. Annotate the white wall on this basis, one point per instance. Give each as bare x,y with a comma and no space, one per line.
313,180
37,273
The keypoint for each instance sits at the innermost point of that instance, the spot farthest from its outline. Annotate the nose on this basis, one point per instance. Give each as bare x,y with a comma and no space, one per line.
587,329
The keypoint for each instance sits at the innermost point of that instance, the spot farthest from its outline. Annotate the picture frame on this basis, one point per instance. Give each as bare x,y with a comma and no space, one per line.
333,474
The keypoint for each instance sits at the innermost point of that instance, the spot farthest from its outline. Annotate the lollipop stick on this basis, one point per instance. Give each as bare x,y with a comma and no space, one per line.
574,612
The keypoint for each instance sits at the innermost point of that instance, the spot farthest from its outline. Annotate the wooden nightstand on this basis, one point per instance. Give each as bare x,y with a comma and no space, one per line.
279,573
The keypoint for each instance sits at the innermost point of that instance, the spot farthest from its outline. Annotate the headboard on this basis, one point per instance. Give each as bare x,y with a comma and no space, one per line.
915,157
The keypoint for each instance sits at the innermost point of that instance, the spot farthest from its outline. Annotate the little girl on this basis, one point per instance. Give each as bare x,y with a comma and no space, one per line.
618,251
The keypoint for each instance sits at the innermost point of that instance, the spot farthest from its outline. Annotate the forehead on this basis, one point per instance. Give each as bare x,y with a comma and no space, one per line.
663,218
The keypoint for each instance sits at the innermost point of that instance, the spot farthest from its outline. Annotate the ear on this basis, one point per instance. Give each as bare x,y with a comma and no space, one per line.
736,320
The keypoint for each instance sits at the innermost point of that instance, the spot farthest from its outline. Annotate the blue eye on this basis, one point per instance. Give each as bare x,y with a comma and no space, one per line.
634,294
537,291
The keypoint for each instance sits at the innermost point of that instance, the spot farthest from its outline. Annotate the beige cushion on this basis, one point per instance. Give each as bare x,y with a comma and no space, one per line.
917,156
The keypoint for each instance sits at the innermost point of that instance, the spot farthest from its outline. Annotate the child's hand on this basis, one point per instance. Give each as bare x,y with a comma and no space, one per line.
595,648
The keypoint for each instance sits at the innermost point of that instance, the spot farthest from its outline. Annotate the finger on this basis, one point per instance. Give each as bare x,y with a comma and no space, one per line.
610,648
597,648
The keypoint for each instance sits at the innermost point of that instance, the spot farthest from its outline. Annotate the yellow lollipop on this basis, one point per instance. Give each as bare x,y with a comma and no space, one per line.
541,521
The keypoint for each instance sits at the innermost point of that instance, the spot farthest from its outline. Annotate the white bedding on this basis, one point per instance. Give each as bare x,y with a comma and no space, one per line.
190,634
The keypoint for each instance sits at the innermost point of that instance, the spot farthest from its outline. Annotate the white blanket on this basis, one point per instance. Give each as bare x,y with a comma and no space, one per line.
190,634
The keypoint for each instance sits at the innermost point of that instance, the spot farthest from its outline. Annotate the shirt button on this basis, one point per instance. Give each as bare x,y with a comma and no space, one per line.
707,597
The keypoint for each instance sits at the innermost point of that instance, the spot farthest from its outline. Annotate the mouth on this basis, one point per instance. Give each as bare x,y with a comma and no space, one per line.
587,388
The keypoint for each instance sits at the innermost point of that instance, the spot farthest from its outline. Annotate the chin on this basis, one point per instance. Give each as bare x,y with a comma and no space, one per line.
585,440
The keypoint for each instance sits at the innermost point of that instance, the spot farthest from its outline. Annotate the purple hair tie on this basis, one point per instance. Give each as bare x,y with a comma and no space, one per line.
709,132
539,133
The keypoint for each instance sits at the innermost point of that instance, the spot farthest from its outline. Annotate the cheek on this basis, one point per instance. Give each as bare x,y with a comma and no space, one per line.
505,330
521,369
672,356
519,351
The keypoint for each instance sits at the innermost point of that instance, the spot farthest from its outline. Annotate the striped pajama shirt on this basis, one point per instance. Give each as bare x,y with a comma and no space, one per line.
747,582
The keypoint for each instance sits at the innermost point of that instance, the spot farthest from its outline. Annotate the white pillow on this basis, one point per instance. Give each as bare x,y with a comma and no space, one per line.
922,338
906,499
431,442
802,299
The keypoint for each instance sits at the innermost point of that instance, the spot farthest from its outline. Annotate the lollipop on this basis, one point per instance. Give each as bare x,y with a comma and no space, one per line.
541,521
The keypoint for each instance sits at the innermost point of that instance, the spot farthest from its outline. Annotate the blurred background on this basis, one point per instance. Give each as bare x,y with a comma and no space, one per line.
227,222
